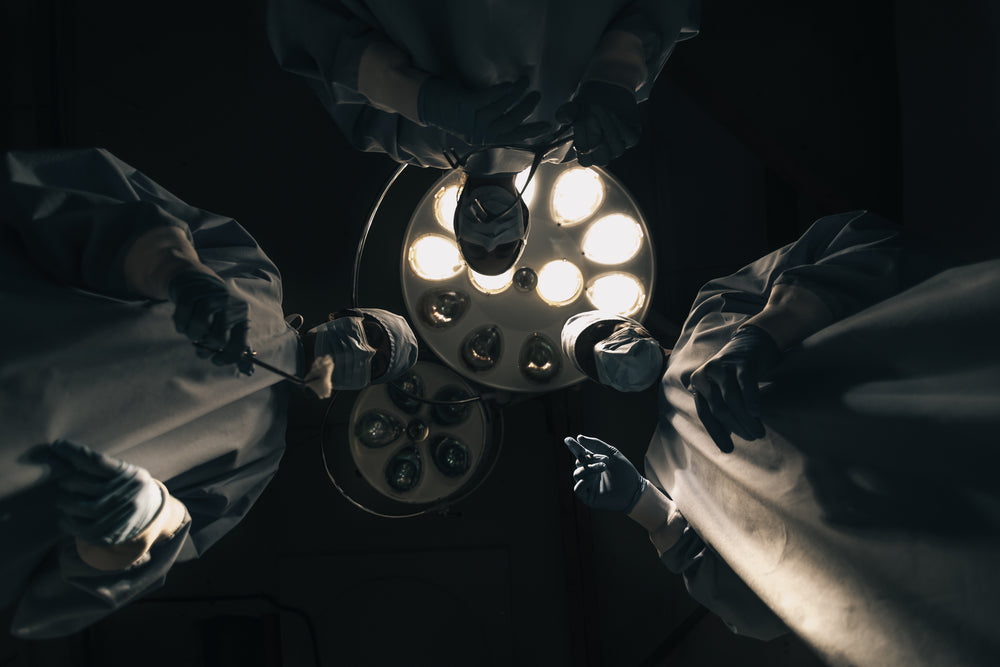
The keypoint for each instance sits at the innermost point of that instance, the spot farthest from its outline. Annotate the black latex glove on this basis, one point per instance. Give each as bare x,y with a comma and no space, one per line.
725,388
604,478
209,314
605,120
102,500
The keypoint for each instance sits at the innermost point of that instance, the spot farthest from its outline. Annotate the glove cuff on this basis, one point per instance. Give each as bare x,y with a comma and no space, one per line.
387,80
643,484
619,61
659,516
135,552
761,341
156,258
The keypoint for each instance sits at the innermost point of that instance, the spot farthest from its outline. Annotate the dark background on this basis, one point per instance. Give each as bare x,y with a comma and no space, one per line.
779,112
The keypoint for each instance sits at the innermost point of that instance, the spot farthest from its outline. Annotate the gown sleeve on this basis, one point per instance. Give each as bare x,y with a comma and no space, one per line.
659,25
67,595
713,583
78,213
324,42
849,261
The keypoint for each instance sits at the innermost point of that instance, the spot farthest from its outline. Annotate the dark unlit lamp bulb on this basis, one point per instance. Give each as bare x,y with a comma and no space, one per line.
408,384
539,359
450,455
442,308
404,470
377,429
481,349
449,414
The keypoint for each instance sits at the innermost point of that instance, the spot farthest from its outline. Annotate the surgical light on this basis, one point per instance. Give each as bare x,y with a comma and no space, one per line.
559,282
619,293
613,239
529,192
577,194
491,284
445,203
434,257
503,331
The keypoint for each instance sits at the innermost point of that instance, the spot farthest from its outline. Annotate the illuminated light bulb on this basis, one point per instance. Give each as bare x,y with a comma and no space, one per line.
434,257
559,282
402,390
618,293
539,360
404,470
492,284
452,413
613,239
576,195
442,308
529,192
450,455
377,429
445,203
481,349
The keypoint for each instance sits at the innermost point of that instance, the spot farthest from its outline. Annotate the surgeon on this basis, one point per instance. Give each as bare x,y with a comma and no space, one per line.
138,427
825,456
492,88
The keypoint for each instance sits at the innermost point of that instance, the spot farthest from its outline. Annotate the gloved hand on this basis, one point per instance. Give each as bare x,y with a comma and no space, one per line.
725,387
212,316
493,116
605,120
605,479
102,500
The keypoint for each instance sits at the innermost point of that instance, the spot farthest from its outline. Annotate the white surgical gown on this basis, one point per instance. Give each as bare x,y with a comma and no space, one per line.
84,360
868,517
471,42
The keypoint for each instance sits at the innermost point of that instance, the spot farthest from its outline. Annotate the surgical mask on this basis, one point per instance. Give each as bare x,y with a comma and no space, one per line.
628,361
476,222
345,341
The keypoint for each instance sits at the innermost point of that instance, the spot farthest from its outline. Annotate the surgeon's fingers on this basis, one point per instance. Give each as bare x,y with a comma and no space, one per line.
716,431
567,112
750,389
506,121
182,313
584,490
586,133
613,140
596,446
576,449
82,486
524,133
502,96
235,346
199,327
87,460
731,408
586,470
